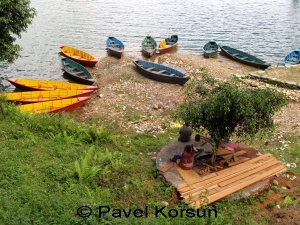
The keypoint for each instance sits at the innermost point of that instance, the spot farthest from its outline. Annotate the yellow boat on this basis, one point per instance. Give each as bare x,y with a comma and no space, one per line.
47,85
78,56
43,96
56,106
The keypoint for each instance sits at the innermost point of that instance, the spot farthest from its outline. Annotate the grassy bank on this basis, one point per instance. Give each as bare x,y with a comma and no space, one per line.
52,165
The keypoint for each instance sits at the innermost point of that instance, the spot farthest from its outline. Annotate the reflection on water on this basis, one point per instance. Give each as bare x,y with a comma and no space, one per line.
267,29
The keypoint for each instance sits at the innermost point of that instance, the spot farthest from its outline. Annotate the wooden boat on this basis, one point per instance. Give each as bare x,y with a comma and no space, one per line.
78,56
166,45
63,105
160,72
244,57
148,46
47,85
43,96
210,49
292,58
77,72
114,46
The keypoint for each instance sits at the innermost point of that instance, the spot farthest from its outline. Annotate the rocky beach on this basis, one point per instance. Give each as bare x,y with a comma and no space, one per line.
135,102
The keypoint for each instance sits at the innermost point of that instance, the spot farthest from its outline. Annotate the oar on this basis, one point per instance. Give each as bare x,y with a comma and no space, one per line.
2,111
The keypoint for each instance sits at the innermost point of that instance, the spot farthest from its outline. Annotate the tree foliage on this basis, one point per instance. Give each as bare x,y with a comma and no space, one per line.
15,16
227,108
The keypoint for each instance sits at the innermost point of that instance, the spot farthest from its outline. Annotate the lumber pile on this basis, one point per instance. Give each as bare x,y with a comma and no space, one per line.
201,190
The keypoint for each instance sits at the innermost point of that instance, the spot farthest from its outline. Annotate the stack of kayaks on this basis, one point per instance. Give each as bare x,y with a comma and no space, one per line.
42,96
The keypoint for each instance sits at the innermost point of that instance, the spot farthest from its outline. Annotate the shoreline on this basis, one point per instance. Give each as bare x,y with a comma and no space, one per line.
136,103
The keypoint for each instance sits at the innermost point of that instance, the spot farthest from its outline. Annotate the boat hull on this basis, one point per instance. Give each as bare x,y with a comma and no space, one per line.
169,75
148,46
114,47
64,105
244,57
77,72
168,44
148,53
210,49
292,58
46,85
78,56
43,96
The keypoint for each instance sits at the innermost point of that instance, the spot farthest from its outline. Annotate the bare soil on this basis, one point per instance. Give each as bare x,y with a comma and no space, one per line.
138,103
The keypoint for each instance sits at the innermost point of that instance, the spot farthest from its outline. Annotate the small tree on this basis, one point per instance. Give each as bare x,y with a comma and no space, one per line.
15,16
228,108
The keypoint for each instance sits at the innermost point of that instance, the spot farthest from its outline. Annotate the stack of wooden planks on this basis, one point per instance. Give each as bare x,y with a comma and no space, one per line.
202,190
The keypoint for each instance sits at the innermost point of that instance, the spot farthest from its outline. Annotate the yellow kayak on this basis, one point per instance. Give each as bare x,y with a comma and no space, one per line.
56,106
42,96
47,85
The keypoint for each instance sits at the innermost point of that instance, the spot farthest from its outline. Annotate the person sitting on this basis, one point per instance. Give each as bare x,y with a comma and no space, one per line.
186,158
185,133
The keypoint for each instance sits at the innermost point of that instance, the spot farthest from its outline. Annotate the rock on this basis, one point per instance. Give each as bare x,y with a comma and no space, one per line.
289,185
164,203
275,182
155,106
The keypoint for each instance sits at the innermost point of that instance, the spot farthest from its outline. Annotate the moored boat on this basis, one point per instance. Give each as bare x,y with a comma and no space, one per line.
47,85
114,46
292,57
167,44
77,72
43,96
210,49
244,57
78,56
63,105
160,72
148,46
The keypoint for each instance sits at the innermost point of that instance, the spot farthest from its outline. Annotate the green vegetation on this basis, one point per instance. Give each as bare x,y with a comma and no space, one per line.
52,165
228,108
15,17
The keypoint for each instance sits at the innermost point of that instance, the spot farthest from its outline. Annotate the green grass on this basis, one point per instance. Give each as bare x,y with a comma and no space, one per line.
52,165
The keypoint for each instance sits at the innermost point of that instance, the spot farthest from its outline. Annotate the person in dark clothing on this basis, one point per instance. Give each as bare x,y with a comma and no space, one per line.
185,133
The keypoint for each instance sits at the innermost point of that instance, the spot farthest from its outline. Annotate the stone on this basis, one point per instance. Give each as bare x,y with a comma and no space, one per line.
275,182
164,203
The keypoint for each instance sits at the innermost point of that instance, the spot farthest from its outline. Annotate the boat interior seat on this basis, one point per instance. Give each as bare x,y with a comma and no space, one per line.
150,68
161,71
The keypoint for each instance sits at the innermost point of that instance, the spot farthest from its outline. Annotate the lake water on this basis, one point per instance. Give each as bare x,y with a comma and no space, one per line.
268,29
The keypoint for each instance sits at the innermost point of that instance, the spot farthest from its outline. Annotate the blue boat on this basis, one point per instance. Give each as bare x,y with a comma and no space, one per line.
292,58
114,46
160,72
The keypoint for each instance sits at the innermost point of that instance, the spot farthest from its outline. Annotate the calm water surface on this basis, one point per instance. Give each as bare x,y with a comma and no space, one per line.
268,29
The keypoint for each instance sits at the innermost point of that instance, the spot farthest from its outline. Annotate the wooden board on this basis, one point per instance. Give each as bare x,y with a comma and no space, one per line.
189,176
220,184
167,167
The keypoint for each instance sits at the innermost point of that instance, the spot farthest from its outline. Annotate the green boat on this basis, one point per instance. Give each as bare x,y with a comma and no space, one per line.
76,71
210,49
244,57
148,46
